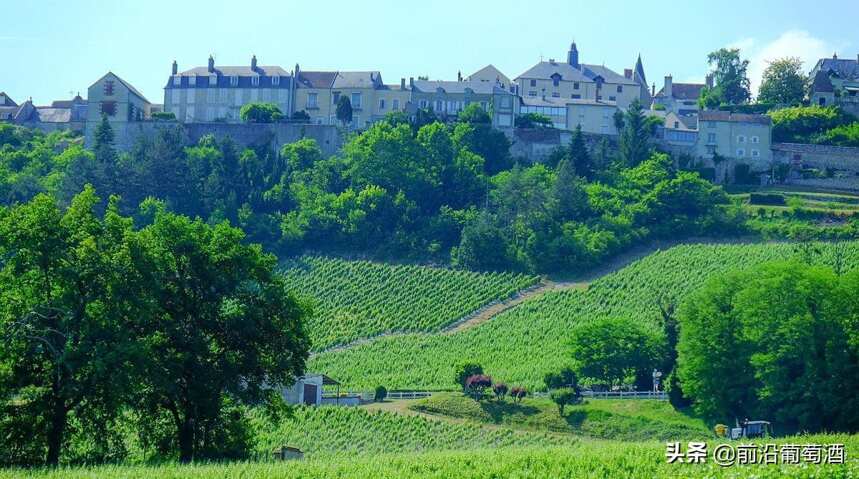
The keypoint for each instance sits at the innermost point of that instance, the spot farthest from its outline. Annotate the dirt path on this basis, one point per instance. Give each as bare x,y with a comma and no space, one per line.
553,283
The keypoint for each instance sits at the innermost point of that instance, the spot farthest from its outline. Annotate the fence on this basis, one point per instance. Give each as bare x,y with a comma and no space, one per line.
657,395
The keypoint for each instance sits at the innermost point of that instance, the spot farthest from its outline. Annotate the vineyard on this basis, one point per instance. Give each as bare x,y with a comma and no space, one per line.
522,344
361,299
582,459
341,430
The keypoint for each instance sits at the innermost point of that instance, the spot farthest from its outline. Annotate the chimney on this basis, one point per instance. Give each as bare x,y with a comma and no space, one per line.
627,73
459,75
708,80
667,90
297,70
211,64
175,69
573,56
402,83
411,82
254,63
653,90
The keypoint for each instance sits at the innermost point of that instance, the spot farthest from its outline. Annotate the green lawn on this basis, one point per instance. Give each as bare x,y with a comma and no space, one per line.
626,420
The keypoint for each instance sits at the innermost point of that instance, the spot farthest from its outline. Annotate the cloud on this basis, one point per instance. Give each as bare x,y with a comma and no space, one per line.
792,43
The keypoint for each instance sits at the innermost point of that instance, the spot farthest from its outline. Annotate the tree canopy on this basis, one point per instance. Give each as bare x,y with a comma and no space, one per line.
783,82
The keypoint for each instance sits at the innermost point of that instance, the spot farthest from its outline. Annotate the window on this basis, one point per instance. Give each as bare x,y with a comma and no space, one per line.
238,98
756,139
599,97
108,108
213,80
175,97
711,138
711,149
676,125
483,105
223,96
254,95
532,93
533,82
504,120
620,88
275,81
822,101
255,80
192,80
575,96
612,98
356,100
423,103
108,88
211,95
312,100
191,96
741,152
575,85
506,101
756,153
395,104
234,80
177,80
741,139
556,81
439,105
189,114
381,103
335,97
711,124
556,95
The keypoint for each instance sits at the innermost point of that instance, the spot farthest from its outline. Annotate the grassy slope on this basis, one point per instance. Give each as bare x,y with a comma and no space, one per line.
522,344
584,459
359,299
626,420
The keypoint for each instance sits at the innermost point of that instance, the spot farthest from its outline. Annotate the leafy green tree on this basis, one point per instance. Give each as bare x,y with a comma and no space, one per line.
260,113
474,114
69,292
783,82
613,350
804,124
380,394
579,155
730,76
565,396
487,142
844,135
226,330
757,342
343,110
635,136
566,378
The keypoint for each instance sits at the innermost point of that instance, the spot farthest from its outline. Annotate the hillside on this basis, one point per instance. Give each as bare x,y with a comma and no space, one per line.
362,299
520,345
626,420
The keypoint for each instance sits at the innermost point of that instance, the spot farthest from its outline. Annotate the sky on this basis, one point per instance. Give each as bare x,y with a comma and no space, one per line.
51,50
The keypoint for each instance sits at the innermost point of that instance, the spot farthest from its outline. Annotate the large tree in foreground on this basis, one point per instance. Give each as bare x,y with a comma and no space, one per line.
68,292
783,82
730,76
226,330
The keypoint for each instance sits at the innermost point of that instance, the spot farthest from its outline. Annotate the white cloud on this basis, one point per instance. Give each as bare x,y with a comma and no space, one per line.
792,43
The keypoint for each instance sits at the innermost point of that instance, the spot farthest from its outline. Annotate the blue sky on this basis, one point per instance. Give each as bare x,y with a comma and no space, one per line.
51,48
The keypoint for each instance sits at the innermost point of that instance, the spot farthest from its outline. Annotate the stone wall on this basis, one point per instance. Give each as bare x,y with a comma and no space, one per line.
244,134
817,156
535,145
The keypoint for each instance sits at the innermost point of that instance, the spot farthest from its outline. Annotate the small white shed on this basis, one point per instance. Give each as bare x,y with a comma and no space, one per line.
308,389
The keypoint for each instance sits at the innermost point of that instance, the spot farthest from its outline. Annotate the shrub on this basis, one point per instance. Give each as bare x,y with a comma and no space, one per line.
466,370
164,115
844,135
260,113
380,394
801,124
301,115
475,386
533,120
564,379
500,390
565,396
742,174
517,393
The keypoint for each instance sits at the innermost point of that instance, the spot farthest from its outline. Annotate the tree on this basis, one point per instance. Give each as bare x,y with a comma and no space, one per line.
69,290
344,110
518,393
260,113
474,114
805,124
380,394
729,74
775,342
613,350
479,137
226,331
476,385
301,115
565,396
466,370
783,82
635,136
500,390
566,378
579,155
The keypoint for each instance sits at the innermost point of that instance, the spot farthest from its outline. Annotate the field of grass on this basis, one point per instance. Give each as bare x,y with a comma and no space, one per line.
583,459
625,420
360,299
335,430
520,345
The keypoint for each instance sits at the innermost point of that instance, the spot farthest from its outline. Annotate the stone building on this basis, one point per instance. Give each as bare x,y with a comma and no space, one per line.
217,93
835,81
117,100
492,75
447,98
59,115
735,137
681,98
573,80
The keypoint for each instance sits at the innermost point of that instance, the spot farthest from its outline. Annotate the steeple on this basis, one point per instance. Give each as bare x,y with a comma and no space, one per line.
639,72
573,56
